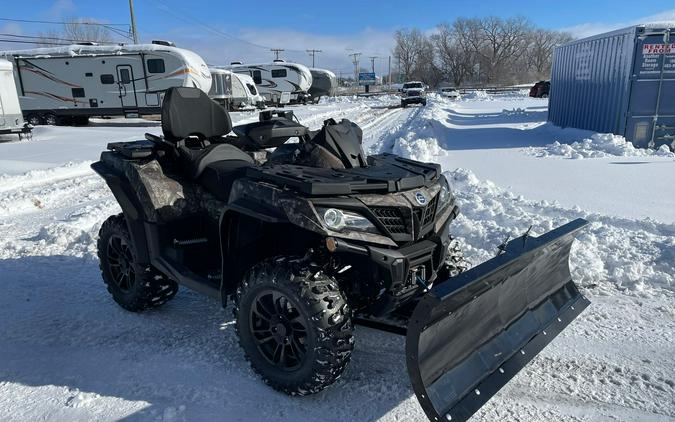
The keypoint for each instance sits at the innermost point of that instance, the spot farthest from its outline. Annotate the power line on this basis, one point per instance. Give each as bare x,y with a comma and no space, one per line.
31,42
63,23
41,38
109,26
185,17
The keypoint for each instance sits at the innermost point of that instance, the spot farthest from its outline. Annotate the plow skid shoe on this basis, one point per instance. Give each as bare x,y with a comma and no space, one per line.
471,334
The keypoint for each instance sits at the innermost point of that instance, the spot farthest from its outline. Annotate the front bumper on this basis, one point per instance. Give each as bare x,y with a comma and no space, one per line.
403,272
413,100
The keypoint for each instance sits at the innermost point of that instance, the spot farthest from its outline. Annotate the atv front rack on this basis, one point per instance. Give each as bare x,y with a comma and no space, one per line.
386,173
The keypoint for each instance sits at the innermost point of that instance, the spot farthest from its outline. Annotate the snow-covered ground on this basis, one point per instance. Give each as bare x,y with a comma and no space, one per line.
67,352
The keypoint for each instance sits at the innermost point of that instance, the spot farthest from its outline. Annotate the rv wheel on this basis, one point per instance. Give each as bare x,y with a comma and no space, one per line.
51,119
34,119
294,326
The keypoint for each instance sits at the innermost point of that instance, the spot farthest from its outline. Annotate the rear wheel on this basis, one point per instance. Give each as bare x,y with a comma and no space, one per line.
34,119
294,326
133,286
51,119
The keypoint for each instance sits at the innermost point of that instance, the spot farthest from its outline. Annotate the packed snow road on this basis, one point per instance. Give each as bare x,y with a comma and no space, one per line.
69,353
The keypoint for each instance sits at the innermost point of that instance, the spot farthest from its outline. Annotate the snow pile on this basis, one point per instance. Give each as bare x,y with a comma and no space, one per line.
611,253
599,145
478,94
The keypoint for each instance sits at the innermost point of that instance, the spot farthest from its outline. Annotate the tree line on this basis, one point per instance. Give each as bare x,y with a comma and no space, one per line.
477,51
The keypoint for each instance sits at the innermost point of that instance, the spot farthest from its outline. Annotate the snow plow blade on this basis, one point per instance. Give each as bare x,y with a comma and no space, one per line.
471,334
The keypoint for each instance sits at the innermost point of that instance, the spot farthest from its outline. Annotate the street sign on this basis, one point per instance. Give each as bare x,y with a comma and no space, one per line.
367,78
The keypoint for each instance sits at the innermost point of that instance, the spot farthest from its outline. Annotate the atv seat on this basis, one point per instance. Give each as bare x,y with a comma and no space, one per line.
189,115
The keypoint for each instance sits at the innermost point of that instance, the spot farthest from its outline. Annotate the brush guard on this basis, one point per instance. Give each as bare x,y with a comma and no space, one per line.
469,335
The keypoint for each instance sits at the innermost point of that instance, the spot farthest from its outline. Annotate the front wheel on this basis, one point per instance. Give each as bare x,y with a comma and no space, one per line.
133,286
294,326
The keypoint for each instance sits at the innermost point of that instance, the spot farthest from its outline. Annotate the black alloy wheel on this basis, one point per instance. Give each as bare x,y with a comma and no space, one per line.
279,329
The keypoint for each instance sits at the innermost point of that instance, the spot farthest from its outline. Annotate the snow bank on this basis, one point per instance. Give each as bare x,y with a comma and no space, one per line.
478,94
599,145
612,253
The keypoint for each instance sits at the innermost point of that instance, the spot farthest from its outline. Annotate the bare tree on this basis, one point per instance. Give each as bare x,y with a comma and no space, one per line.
498,43
425,69
487,51
540,50
77,30
407,50
455,59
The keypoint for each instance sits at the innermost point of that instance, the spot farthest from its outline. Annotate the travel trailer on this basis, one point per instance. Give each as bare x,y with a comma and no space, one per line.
276,78
324,83
234,91
11,119
71,83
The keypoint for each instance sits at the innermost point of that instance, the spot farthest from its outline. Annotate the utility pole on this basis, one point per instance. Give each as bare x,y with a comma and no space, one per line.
134,32
389,73
312,53
276,52
355,60
372,62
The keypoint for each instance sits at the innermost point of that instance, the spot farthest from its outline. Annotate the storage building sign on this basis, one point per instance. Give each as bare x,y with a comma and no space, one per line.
658,48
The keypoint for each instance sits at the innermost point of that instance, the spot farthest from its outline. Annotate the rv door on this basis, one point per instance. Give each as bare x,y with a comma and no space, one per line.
127,86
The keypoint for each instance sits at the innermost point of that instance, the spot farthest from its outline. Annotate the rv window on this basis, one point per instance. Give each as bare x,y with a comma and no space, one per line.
107,79
257,78
125,76
251,89
156,65
88,74
278,73
78,92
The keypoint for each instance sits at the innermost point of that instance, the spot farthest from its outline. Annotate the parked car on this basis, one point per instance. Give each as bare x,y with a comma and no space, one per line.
448,92
413,92
541,89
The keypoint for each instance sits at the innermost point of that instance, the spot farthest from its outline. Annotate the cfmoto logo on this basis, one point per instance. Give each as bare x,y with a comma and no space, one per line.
421,199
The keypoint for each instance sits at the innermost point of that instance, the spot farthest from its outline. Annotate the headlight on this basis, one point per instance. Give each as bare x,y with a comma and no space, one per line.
445,194
341,220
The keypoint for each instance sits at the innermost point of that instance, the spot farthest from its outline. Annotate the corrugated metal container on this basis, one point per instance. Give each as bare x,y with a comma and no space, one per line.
621,82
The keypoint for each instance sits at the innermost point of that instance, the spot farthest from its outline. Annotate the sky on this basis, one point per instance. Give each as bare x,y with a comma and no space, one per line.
223,31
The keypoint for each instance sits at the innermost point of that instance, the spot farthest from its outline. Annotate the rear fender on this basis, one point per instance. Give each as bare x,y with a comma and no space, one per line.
131,208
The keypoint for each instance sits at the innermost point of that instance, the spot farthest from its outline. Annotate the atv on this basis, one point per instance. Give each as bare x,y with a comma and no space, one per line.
308,238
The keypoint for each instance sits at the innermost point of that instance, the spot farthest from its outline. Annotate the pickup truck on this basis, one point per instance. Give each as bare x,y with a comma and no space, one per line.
413,92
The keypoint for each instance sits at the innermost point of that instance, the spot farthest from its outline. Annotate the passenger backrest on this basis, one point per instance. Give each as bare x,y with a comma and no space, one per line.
190,112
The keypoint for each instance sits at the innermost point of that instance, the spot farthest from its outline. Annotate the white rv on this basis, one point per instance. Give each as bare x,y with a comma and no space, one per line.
275,79
324,83
71,83
234,91
11,119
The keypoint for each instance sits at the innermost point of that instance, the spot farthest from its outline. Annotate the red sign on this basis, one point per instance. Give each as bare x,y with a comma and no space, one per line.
658,48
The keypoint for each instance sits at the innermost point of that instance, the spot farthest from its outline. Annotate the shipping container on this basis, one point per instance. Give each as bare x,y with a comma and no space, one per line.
621,82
